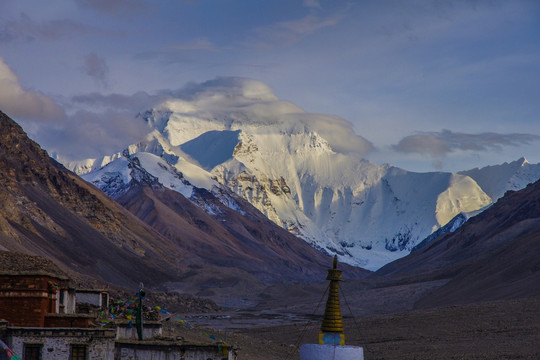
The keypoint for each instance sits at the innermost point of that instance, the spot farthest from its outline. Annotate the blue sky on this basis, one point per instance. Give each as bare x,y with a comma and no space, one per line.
433,85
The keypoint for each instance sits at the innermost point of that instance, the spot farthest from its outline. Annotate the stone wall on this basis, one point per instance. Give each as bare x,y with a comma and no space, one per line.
56,344
151,329
93,297
166,351
100,344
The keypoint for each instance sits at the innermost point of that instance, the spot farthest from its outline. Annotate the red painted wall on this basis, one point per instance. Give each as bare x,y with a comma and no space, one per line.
26,299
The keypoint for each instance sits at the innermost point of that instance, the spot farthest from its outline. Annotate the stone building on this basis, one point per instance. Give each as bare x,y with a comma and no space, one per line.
35,293
38,321
96,297
59,343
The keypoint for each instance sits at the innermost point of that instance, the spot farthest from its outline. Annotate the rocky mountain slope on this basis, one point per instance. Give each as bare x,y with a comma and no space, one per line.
49,211
298,170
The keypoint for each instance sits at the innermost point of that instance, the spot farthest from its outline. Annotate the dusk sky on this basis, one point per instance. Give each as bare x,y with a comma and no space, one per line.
432,85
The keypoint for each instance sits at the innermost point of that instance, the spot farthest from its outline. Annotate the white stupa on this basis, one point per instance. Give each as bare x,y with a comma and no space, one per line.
331,344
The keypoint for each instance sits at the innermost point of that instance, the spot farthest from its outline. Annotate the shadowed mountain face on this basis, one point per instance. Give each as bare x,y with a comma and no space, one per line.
495,255
47,210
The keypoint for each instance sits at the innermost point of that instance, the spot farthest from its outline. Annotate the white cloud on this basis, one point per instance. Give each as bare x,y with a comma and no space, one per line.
240,89
83,134
25,104
439,144
243,100
88,134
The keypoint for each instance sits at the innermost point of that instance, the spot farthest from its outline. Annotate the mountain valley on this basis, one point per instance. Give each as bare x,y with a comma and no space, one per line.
183,232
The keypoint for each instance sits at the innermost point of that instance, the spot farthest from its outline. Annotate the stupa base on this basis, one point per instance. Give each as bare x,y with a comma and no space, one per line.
331,352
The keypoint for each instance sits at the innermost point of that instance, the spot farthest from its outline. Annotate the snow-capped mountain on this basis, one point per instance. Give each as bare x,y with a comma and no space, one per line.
493,256
495,180
301,170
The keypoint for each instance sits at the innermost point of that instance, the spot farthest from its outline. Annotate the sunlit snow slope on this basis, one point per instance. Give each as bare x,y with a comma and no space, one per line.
303,171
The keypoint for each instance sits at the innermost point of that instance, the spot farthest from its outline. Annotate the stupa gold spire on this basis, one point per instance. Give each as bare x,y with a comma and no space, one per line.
332,325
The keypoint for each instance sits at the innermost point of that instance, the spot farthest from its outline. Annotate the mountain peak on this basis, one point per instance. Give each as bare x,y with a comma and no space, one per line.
523,161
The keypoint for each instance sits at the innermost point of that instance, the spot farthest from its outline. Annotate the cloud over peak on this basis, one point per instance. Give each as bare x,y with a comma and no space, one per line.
228,87
104,124
240,101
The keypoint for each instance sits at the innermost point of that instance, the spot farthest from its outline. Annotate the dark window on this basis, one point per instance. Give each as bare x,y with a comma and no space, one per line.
104,302
78,352
32,352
